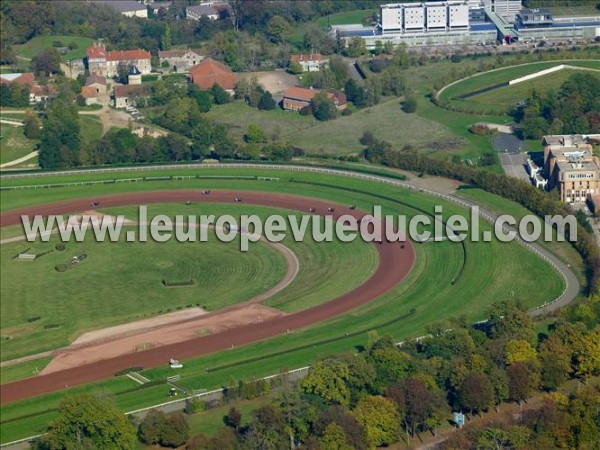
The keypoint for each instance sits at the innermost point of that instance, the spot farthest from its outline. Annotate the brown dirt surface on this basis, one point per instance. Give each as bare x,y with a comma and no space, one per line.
394,265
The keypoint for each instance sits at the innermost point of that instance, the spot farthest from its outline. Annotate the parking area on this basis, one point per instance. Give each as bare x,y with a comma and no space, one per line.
514,165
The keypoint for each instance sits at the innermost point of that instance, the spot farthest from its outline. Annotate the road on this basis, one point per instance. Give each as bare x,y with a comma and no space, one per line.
514,165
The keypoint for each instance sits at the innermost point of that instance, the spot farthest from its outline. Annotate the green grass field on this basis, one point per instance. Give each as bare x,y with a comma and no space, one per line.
578,10
492,271
509,96
13,143
339,136
91,128
41,43
127,277
494,77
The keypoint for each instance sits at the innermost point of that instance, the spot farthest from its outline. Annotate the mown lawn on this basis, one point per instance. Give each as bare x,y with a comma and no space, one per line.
13,143
40,43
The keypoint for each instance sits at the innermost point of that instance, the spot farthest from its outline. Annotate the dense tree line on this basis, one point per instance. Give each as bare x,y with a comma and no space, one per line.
14,95
573,109
388,392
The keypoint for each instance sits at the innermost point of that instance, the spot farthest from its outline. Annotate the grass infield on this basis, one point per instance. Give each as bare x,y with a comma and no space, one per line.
492,271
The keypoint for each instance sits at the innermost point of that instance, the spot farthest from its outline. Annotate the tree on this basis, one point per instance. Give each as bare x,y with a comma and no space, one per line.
380,418
166,38
254,135
266,431
555,362
220,95
266,102
295,68
323,107
476,392
46,62
356,47
354,431
327,379
88,421
166,430
203,98
519,350
278,29
60,141
233,418
31,125
334,438
197,442
522,380
409,105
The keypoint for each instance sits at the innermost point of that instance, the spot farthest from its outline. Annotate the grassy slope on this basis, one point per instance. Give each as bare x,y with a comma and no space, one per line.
338,136
91,128
508,96
13,143
40,43
487,277
492,78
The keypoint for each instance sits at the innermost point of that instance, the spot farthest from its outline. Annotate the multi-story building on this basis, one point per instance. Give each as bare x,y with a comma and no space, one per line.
424,17
506,9
106,64
571,166
129,8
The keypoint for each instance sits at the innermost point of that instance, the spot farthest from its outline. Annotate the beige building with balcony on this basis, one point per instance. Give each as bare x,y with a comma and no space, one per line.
571,166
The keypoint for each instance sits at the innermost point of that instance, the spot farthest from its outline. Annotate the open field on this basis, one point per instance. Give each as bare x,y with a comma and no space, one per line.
13,143
91,128
339,136
128,278
492,271
41,43
492,78
509,96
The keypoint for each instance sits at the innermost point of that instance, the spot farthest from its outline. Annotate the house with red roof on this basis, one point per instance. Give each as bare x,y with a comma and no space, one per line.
210,72
311,62
296,98
106,64
37,93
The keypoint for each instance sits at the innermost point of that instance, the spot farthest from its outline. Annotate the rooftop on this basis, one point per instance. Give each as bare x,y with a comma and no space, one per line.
122,6
19,78
210,72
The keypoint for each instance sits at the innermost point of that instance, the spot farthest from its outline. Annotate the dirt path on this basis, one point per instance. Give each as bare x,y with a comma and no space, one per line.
20,160
395,263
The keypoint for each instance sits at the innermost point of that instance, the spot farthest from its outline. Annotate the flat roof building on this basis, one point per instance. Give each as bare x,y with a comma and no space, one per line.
571,166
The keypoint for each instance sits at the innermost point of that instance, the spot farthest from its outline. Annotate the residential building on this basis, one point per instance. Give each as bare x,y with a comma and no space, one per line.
94,92
571,166
202,10
311,62
180,60
129,8
104,63
37,93
296,98
210,72
125,95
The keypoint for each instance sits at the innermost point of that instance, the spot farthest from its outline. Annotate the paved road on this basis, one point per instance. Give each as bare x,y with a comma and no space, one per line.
513,165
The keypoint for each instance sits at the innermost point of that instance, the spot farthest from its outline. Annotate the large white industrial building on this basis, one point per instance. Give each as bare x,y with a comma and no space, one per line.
430,16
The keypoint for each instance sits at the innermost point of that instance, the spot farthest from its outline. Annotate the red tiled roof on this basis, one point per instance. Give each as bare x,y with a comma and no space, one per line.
93,78
300,93
127,55
89,92
40,91
209,72
95,52
307,57
22,79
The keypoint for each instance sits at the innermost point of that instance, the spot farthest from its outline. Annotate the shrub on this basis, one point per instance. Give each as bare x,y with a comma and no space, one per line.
34,319
57,44
50,326
60,247
194,406
73,45
347,112
61,268
306,111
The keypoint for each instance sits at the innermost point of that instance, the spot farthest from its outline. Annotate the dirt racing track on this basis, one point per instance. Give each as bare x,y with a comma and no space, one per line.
395,263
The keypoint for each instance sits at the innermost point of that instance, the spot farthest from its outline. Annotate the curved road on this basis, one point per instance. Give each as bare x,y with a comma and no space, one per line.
394,265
